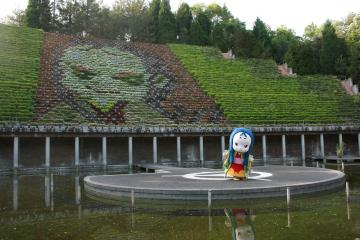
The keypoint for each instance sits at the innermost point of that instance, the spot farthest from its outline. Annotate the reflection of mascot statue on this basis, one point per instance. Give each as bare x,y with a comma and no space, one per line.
237,160
240,222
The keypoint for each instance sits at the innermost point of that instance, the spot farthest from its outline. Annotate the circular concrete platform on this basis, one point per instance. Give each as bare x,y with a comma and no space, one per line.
195,183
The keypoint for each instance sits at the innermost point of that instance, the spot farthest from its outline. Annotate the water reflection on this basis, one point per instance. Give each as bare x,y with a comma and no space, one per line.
57,206
241,223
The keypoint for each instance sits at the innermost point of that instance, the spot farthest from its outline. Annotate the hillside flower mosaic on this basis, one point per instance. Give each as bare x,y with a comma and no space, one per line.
108,76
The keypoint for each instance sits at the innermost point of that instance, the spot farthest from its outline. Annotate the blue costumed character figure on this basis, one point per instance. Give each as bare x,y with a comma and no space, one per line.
237,160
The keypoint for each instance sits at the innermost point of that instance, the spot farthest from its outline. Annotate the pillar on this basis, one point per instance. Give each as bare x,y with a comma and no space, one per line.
15,192
52,192
283,141
77,151
155,160
302,147
47,152
222,144
104,151
322,146
16,152
178,150
340,138
201,149
359,142
47,191
77,190
130,152
264,147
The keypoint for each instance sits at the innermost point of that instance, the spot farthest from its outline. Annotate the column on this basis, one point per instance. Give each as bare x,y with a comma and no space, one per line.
52,192
47,152
264,148
155,150
104,151
340,138
178,150
201,149
222,144
77,190
302,147
16,152
15,192
359,142
77,151
130,152
322,147
283,141
47,191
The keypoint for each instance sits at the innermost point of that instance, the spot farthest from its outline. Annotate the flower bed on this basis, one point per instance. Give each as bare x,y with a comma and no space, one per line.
20,50
251,91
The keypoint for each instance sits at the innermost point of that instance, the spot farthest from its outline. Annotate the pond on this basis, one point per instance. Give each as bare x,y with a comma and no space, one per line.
56,207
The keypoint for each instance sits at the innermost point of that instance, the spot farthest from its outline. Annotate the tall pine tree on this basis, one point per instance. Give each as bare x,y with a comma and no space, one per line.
167,23
332,52
153,13
38,14
183,21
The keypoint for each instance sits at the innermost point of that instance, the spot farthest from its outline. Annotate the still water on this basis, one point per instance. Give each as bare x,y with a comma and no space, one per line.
56,207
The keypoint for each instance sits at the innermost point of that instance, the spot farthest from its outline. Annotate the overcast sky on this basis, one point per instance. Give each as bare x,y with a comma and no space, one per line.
295,14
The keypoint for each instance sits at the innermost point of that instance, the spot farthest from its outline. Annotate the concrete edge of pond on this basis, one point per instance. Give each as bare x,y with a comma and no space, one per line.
200,183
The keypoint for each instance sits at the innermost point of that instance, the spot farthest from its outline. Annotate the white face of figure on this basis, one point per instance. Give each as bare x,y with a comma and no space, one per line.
241,142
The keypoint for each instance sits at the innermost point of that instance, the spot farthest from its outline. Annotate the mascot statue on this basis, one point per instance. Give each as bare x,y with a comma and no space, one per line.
237,160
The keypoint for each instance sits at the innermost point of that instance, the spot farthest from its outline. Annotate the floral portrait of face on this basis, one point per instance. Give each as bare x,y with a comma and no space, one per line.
104,76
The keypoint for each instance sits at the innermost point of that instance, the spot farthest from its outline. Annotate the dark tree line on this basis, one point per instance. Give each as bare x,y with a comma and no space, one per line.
333,48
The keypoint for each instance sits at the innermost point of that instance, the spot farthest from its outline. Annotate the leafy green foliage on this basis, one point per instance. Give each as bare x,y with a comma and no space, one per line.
354,69
38,14
183,21
303,57
250,91
332,52
20,50
200,29
280,43
167,23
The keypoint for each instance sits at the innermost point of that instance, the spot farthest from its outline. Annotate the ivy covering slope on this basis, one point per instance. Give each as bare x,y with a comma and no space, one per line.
20,50
251,91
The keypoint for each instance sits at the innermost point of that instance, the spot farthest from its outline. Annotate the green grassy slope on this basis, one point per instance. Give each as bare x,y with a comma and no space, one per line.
20,50
250,91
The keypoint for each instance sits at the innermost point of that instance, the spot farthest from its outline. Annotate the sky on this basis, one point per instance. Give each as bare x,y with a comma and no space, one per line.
294,14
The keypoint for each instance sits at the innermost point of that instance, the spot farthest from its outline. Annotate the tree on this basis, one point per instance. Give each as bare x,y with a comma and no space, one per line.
38,14
353,33
200,29
130,18
312,32
167,23
69,20
354,60
153,14
183,21
303,57
89,10
332,52
244,43
17,18
280,43
262,34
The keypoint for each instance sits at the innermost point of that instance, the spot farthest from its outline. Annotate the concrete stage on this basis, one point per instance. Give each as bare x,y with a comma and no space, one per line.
195,183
